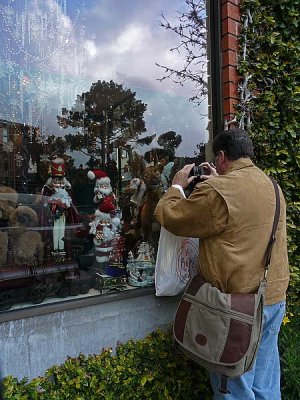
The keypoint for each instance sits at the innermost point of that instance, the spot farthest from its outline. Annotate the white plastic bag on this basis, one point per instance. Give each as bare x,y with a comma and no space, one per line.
176,263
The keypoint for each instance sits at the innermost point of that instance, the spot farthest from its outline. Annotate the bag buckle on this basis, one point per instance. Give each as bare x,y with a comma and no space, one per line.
266,272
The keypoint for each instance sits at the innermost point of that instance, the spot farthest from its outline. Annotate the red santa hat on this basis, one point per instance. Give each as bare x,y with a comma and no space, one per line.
57,167
100,176
107,210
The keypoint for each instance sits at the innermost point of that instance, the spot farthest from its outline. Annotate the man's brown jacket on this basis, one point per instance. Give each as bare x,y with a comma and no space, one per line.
233,216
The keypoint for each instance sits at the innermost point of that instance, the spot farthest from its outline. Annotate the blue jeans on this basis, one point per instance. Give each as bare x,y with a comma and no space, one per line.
263,381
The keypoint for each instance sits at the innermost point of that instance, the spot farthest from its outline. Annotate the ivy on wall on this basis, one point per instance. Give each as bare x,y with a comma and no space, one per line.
270,66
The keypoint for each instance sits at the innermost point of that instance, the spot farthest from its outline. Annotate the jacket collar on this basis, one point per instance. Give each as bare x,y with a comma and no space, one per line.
239,164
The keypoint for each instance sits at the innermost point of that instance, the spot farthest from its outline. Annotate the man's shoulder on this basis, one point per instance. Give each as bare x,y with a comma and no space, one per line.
213,183
237,178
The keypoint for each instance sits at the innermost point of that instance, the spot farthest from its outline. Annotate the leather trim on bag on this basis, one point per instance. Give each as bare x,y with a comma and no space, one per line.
237,343
180,319
195,285
243,303
201,339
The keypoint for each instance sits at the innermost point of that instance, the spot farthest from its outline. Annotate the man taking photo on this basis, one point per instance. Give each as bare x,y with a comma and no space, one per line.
232,210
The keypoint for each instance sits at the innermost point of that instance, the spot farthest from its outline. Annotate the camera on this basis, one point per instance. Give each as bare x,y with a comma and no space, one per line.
197,171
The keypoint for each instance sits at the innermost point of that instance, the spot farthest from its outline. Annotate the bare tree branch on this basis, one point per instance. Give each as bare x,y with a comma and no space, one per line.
192,31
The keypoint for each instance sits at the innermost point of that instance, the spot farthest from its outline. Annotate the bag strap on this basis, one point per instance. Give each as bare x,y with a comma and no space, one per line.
275,224
223,385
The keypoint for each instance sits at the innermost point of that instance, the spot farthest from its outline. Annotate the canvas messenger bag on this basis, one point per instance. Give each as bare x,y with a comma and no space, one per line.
220,331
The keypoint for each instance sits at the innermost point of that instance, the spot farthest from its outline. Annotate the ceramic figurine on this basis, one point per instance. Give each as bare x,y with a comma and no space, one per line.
58,205
105,229
141,269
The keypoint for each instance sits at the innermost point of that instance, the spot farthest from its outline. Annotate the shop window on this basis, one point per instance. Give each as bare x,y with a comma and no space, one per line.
90,135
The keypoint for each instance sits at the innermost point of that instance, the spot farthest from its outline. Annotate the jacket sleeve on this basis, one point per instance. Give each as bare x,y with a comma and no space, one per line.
202,215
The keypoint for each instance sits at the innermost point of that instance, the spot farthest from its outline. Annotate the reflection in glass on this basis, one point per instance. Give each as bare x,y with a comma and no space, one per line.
90,139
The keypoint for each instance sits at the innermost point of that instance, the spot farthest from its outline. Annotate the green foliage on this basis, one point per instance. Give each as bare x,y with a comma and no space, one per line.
151,368
272,43
289,345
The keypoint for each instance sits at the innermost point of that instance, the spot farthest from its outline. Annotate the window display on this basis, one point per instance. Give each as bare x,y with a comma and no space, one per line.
90,138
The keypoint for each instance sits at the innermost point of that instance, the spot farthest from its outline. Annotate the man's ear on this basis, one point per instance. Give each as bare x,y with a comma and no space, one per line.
224,160
222,157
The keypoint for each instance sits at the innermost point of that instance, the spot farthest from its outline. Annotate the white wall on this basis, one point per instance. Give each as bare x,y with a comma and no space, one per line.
31,345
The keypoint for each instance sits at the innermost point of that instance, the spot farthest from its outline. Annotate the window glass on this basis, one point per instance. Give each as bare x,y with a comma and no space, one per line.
91,134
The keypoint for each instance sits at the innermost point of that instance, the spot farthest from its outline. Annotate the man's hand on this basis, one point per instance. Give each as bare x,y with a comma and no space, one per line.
182,177
210,169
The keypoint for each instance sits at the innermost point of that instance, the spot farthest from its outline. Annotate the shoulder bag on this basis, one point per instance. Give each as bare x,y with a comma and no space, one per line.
220,331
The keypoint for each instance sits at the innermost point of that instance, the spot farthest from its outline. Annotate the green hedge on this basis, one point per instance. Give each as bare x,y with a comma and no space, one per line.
151,368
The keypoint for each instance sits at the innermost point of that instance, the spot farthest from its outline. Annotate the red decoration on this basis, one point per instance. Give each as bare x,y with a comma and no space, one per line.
98,174
57,167
107,205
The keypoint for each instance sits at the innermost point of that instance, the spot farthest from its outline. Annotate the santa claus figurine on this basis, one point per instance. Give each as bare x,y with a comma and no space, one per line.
105,229
102,188
58,205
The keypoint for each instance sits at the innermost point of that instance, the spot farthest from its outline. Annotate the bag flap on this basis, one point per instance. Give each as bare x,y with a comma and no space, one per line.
204,292
215,326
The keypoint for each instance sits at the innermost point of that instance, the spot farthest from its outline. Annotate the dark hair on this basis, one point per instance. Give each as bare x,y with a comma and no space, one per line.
235,143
